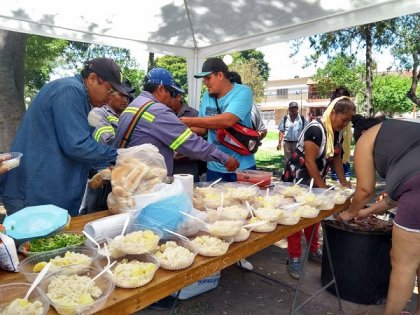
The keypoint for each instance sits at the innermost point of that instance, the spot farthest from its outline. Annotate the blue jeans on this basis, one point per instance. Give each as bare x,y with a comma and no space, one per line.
226,177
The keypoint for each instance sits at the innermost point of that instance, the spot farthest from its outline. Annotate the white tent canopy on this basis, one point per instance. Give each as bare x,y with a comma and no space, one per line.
195,29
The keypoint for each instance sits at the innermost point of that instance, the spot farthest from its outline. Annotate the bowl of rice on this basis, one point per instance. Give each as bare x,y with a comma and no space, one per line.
137,239
80,256
175,253
131,271
12,302
68,292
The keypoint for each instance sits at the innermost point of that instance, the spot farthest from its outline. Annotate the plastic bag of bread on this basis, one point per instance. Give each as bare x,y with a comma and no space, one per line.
138,169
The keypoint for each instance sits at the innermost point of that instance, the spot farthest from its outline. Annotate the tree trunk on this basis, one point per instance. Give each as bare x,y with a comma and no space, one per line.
368,104
411,94
151,63
12,105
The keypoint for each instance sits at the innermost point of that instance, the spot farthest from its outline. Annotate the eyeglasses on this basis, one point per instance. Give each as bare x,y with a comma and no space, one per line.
111,90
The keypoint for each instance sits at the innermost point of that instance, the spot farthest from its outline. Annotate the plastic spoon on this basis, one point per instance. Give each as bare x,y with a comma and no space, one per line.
195,218
256,184
91,281
298,182
330,188
267,192
107,254
250,225
249,208
222,199
176,234
292,205
92,240
37,280
127,220
215,182
311,184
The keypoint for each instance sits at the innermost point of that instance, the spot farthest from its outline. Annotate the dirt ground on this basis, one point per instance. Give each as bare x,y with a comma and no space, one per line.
269,290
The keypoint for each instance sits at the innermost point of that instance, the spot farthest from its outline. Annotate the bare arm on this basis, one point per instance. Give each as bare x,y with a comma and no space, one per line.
365,173
199,131
311,154
339,170
281,136
224,120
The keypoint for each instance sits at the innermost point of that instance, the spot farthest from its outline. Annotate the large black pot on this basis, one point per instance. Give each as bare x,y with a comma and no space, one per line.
361,263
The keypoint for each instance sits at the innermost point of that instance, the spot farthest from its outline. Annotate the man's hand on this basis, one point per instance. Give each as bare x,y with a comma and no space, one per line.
346,216
346,184
232,164
186,120
279,146
3,167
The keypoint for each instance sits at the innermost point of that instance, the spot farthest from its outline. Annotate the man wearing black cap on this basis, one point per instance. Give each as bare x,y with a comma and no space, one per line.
290,128
223,105
56,141
160,126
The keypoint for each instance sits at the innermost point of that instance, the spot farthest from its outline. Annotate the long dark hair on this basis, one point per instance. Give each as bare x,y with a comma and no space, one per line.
361,123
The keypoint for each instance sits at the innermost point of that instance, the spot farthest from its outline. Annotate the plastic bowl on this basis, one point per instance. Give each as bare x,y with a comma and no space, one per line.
74,288
12,162
11,291
211,246
138,246
139,276
27,265
25,248
173,260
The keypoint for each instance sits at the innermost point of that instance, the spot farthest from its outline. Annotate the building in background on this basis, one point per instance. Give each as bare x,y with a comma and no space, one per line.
279,93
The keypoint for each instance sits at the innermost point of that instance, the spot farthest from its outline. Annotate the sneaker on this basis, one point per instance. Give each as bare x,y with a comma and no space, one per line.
245,265
316,256
294,267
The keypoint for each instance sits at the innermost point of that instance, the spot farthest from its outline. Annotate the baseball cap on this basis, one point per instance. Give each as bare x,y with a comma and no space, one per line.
130,91
293,104
162,76
212,65
107,70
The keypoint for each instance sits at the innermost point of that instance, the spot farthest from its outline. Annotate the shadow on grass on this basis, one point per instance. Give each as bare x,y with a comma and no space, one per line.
270,161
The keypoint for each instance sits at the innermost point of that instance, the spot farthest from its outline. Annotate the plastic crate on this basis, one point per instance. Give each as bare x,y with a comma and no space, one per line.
254,177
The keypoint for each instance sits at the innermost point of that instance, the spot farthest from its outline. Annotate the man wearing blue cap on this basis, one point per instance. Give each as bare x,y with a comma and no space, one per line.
160,126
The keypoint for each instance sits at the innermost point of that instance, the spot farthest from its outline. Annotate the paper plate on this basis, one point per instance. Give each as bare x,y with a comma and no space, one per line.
37,221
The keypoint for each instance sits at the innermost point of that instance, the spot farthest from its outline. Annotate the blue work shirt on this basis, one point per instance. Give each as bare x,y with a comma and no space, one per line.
58,149
238,101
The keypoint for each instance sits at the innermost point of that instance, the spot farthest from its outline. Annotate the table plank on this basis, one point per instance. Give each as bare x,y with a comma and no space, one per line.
128,301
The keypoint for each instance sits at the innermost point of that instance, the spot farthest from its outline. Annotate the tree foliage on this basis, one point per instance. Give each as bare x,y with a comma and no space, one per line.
177,66
406,49
253,54
401,34
389,94
251,76
41,57
77,52
340,71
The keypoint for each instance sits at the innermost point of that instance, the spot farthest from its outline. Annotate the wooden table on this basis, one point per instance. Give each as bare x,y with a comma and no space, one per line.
128,301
